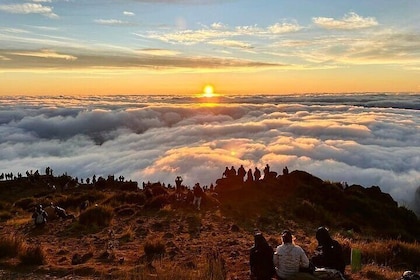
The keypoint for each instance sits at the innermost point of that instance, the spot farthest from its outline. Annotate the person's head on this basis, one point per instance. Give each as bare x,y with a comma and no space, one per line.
259,240
286,236
322,235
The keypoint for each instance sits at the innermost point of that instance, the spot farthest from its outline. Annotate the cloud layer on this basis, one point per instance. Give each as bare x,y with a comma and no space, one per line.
361,139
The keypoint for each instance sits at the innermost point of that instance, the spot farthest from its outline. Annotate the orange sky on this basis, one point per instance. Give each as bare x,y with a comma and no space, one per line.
176,47
366,79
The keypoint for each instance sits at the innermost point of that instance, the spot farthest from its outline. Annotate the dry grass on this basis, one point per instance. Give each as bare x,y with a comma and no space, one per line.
32,255
212,268
10,246
100,216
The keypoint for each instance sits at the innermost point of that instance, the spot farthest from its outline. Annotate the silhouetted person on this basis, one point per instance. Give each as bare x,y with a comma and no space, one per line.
266,171
257,174
226,173
241,172
249,177
232,172
285,170
329,253
261,259
289,258
198,194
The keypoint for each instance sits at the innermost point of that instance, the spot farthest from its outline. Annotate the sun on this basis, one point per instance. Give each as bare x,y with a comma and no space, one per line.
208,91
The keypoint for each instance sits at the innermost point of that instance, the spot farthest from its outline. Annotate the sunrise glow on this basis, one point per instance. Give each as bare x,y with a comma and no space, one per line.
208,91
69,48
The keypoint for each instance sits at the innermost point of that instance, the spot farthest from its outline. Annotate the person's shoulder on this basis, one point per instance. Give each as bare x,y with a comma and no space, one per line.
335,243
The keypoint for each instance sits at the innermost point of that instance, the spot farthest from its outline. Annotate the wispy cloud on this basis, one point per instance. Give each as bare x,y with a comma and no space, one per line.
158,52
348,22
112,22
222,31
127,13
146,59
29,8
45,54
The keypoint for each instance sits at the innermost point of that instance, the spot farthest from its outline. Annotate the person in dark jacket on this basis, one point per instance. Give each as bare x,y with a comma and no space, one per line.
329,253
261,259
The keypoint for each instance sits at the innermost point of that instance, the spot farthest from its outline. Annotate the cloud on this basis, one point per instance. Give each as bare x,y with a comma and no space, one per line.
348,22
112,22
369,139
127,13
219,31
45,54
29,8
148,58
158,52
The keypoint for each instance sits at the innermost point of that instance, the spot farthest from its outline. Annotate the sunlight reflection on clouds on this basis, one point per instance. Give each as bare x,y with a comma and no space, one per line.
337,138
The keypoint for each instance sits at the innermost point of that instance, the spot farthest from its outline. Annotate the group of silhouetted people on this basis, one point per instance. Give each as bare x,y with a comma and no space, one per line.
289,260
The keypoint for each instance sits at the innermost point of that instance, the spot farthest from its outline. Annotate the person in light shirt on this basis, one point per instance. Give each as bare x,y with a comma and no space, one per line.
288,257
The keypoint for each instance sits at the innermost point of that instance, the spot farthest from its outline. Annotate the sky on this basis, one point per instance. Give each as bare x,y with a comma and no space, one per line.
365,139
82,47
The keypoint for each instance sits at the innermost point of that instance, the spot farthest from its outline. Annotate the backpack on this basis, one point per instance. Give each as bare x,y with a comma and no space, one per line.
39,218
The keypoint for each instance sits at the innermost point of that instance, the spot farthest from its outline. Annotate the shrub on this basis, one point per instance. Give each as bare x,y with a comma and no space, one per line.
169,270
5,215
27,203
131,198
10,246
128,235
100,216
32,255
154,248
214,267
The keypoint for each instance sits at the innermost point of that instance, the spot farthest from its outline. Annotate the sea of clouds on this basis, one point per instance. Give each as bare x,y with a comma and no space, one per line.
366,139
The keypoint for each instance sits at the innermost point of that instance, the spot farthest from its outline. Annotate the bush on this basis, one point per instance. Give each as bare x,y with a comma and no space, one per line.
10,246
32,255
100,216
154,248
5,215
27,203
215,267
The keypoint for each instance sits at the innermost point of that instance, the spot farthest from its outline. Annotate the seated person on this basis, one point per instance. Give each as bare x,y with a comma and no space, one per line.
329,253
289,258
261,259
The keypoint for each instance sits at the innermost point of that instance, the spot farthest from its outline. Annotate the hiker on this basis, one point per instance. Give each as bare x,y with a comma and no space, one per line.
261,259
410,275
266,171
39,216
249,176
289,258
198,194
61,212
329,253
84,205
257,174
226,173
241,173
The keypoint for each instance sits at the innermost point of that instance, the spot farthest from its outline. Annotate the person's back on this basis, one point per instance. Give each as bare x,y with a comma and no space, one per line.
261,259
289,258
329,253
39,216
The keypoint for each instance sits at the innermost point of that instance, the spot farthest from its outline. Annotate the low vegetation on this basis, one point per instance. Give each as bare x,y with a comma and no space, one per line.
127,233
